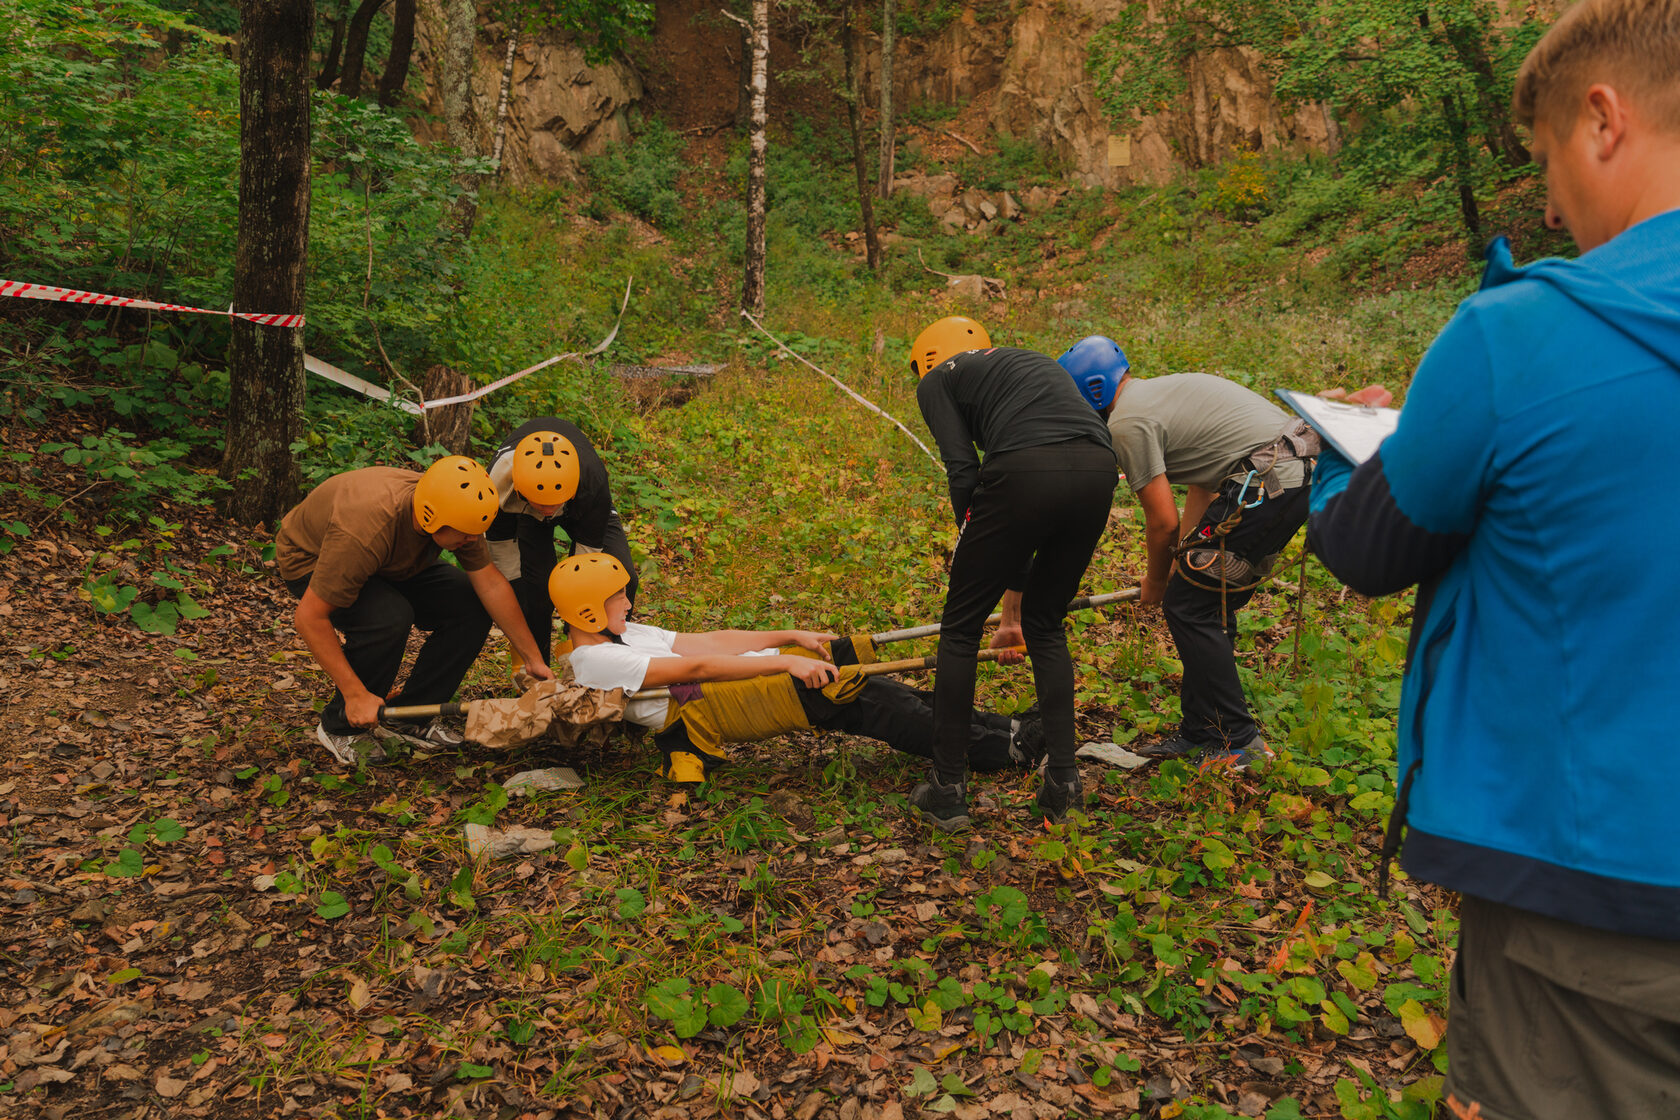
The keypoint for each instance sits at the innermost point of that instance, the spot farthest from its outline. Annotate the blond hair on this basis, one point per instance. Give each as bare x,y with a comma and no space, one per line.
1632,46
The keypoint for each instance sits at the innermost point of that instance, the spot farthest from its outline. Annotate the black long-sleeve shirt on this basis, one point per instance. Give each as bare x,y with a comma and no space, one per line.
997,400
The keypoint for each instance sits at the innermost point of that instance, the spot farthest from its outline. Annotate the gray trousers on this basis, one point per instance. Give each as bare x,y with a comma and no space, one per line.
1553,1021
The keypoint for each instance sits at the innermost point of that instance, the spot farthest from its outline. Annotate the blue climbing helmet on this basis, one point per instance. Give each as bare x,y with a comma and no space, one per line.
1098,365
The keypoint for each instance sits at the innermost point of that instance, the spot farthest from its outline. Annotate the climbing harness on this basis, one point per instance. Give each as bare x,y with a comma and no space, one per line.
1203,559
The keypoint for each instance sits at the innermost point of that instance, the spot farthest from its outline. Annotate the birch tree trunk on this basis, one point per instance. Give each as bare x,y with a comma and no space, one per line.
394,79
505,97
889,47
854,118
265,397
460,18
752,290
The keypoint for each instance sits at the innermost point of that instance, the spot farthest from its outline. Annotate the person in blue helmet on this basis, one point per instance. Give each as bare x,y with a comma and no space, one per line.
1521,493
1240,459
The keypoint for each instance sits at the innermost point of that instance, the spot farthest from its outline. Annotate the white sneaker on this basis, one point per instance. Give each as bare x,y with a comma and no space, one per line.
343,747
433,734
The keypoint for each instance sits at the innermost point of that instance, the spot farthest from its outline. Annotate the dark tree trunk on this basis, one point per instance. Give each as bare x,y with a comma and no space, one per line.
450,424
889,48
265,399
752,289
860,158
1462,168
355,47
1501,133
329,65
395,78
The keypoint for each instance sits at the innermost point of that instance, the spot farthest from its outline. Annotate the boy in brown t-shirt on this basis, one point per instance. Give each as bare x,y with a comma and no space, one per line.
361,553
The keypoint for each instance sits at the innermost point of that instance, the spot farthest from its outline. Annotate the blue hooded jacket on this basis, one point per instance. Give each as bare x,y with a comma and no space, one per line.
1526,491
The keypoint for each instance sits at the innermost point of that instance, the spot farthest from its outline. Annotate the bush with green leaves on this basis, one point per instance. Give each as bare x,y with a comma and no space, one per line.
641,176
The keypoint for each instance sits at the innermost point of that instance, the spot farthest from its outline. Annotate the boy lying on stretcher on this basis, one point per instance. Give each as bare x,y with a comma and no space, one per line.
733,686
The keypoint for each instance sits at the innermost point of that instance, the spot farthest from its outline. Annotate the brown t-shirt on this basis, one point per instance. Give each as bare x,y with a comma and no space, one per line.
358,525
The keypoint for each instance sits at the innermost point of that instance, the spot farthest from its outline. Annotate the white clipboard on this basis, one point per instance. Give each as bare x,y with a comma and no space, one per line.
1356,430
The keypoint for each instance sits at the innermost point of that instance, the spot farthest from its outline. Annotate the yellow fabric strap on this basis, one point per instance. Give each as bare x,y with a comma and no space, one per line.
864,646
848,686
741,711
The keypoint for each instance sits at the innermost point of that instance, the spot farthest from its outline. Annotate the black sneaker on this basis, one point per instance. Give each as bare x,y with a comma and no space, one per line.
1026,742
1175,747
1057,799
945,807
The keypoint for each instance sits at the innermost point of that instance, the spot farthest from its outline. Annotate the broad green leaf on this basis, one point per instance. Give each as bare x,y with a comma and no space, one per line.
1361,972
631,903
669,998
123,976
161,619
467,1071
921,1083
953,1084
1216,856
728,1005
333,905
129,864
1332,1017
1318,880
1313,776
189,607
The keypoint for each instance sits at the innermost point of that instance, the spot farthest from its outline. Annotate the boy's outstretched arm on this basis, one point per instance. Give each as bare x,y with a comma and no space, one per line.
745,641
700,669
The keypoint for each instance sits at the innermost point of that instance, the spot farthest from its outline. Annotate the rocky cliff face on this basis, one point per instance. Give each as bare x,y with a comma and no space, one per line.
1029,64
1034,62
560,106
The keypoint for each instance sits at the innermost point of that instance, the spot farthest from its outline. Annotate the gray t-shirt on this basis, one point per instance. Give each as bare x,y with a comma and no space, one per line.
1193,428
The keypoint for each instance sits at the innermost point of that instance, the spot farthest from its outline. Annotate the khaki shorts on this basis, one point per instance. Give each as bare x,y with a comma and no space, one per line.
1553,1021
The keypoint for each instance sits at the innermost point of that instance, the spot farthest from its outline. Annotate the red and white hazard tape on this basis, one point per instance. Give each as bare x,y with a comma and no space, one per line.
71,295
310,362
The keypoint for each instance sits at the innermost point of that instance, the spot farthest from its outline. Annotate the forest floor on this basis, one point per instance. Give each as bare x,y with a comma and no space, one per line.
205,915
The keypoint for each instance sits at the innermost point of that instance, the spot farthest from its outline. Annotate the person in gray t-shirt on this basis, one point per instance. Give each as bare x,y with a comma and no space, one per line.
1197,431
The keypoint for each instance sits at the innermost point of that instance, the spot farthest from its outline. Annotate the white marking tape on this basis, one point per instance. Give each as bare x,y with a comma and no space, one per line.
71,295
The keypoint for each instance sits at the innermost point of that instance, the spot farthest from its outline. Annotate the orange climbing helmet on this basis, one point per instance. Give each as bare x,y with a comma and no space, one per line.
944,339
455,493
581,585
545,469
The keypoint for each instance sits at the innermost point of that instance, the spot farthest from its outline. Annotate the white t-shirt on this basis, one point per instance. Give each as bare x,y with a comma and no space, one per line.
609,665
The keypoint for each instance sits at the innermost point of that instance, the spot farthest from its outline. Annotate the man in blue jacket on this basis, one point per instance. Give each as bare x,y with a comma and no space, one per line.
1523,494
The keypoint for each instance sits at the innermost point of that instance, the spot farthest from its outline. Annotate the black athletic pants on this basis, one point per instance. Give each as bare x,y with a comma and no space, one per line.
1204,622
1032,525
902,717
440,600
537,557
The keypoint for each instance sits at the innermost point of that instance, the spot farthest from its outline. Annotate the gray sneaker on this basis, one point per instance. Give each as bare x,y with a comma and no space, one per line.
1244,759
433,734
343,747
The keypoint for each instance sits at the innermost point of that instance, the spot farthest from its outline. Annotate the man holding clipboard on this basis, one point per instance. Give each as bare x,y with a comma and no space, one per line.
1524,492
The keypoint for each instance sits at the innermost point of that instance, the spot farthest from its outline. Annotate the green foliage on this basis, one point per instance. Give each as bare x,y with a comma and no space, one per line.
604,27
641,176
